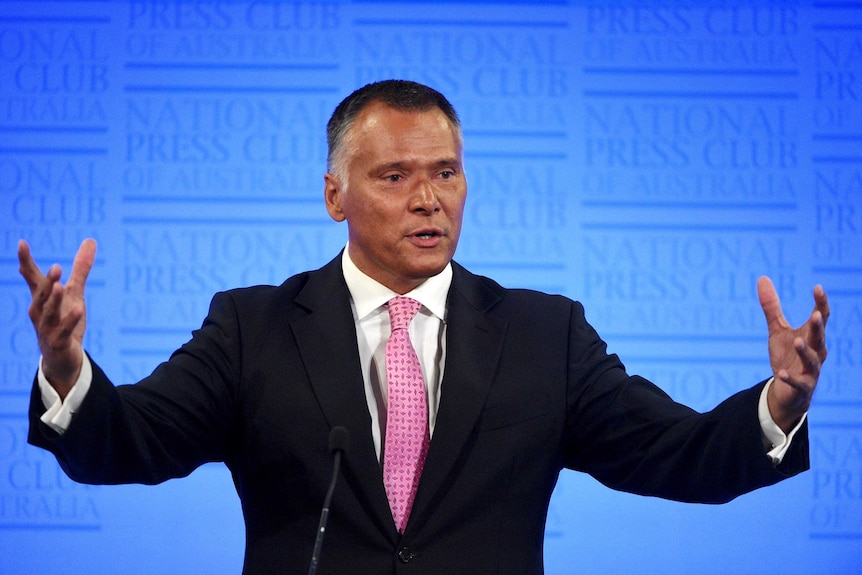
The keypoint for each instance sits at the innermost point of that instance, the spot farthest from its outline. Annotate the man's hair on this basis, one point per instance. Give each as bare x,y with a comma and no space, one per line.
399,94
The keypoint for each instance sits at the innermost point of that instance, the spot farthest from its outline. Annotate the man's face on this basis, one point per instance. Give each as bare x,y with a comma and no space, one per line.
404,194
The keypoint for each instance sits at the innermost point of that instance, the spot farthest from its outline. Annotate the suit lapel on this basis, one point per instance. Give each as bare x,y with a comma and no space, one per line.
326,338
474,342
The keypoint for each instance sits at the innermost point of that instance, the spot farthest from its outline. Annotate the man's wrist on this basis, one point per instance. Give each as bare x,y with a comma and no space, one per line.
775,440
60,411
63,382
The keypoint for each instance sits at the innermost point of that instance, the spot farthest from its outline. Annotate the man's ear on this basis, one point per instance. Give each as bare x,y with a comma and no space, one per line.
332,194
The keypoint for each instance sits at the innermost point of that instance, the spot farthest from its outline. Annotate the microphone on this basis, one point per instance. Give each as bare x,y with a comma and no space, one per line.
339,441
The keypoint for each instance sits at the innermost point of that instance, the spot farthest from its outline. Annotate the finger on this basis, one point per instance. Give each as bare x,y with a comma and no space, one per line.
770,303
816,336
810,362
42,293
27,266
51,309
82,264
821,303
59,337
802,377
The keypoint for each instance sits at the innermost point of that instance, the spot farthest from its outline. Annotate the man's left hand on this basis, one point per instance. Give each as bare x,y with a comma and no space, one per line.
795,355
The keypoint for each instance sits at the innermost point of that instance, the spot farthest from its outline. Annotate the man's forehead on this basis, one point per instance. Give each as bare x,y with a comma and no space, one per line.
386,125
381,113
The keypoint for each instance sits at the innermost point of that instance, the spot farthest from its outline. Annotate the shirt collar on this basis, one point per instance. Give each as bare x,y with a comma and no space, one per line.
368,294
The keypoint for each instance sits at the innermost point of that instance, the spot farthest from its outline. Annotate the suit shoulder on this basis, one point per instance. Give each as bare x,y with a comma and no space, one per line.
485,289
290,286
325,279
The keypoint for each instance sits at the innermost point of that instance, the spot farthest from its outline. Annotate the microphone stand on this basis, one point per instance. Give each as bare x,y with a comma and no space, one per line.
339,439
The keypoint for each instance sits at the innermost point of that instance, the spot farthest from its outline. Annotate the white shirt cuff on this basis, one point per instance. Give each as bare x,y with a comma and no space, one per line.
774,439
59,413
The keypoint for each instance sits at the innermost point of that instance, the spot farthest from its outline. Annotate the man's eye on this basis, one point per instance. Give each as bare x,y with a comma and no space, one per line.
393,178
447,174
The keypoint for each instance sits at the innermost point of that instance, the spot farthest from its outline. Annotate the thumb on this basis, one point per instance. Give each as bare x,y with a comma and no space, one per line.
83,263
770,303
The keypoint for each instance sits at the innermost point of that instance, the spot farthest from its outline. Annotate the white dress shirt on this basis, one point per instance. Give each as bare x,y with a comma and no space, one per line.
427,332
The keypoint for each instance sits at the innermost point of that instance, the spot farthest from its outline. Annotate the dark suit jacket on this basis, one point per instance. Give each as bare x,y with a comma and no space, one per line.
528,390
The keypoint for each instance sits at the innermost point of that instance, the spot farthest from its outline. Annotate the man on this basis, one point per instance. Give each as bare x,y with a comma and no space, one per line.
517,386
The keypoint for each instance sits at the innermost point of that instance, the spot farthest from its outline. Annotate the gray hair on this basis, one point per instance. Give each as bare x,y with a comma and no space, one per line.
399,94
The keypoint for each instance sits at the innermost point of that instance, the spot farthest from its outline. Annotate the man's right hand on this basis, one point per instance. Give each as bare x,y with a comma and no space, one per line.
59,313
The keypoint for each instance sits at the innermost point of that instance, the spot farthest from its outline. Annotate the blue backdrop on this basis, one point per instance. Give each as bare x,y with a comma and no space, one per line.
650,159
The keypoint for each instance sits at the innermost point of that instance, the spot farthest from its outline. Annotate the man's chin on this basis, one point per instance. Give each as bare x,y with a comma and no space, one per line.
423,273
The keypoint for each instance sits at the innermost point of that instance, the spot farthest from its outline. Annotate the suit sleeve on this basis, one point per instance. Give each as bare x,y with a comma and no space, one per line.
164,426
630,435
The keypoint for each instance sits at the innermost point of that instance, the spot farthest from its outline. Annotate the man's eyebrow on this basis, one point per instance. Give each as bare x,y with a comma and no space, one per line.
390,166
447,163
401,165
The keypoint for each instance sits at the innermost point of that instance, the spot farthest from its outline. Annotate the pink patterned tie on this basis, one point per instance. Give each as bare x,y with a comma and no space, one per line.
407,436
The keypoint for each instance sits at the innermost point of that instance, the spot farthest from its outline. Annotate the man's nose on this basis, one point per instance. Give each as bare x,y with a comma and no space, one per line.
426,197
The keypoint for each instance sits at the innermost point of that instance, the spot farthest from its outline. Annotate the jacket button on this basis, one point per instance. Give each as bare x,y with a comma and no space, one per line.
405,555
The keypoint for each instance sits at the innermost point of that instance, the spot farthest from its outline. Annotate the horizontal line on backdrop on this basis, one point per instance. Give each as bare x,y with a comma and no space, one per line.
57,151
147,352
142,220
836,159
19,282
219,200
518,155
683,359
55,20
834,5
688,205
837,269
683,337
621,226
515,265
461,23
154,331
838,403
63,259
835,536
851,293
470,2
49,527
836,27
835,424
837,137
693,95
210,66
691,71
168,89
514,134
56,129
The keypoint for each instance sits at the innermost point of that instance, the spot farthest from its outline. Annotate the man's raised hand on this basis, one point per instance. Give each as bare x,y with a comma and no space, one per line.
59,313
795,355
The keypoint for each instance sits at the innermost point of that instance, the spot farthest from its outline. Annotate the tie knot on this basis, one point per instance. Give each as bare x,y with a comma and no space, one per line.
401,311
